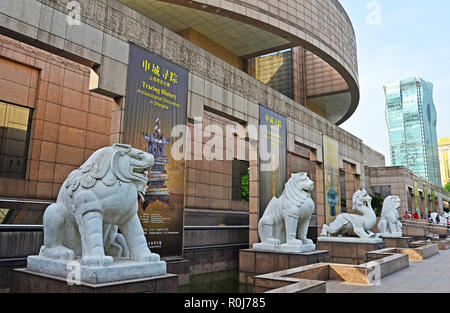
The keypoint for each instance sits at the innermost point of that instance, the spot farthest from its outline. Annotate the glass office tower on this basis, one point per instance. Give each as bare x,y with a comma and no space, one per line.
411,119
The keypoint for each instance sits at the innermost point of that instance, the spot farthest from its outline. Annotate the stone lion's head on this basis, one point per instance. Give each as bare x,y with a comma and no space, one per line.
298,188
130,164
361,198
119,162
303,182
391,204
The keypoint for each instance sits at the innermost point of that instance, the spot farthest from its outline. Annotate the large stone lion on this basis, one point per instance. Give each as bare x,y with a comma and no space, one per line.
389,224
349,224
289,215
96,201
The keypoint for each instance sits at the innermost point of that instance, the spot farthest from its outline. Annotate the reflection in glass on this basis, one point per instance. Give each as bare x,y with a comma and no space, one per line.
14,136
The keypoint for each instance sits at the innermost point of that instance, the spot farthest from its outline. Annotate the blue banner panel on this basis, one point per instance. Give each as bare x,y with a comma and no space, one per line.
156,102
272,156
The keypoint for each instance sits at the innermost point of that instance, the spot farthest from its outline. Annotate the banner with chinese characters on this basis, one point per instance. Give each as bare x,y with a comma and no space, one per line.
156,102
417,196
331,179
272,156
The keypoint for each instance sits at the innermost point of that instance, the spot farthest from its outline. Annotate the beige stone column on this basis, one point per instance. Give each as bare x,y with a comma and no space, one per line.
320,197
117,120
254,194
349,186
299,74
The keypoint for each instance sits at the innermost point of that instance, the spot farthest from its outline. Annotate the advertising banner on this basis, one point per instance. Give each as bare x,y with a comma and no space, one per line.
331,178
272,152
416,196
156,102
425,195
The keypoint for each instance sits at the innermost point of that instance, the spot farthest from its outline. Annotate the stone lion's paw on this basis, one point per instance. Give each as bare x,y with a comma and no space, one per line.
97,261
295,242
151,257
154,257
273,241
57,253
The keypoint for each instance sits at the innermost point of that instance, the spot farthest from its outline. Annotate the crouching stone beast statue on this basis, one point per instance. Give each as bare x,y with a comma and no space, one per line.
287,218
389,224
96,201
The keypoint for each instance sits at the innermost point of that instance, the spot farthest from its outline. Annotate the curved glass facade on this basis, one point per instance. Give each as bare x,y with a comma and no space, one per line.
411,119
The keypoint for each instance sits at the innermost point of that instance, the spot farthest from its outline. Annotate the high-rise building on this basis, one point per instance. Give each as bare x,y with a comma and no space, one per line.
411,119
444,153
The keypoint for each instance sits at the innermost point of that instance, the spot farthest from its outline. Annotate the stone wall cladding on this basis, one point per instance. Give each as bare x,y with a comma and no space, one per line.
68,121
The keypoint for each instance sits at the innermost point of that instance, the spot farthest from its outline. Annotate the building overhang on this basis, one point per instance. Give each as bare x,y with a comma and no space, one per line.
251,28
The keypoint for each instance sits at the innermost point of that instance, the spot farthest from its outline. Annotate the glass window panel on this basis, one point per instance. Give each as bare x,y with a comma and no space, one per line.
14,138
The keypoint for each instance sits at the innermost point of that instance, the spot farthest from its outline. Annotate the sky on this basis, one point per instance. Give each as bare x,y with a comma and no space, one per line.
398,39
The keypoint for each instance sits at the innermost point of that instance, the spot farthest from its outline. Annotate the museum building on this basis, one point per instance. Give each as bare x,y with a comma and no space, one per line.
64,93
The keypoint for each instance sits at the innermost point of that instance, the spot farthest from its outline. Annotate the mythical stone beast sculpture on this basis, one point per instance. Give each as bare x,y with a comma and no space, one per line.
389,225
346,223
94,202
289,215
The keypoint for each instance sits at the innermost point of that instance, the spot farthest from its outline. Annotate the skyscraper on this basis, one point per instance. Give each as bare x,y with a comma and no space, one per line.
411,119
444,154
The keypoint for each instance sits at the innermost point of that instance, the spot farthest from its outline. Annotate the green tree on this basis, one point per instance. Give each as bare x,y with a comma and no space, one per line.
447,187
245,186
377,204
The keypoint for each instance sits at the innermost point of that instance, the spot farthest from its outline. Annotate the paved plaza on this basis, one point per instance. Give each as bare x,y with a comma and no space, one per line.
429,276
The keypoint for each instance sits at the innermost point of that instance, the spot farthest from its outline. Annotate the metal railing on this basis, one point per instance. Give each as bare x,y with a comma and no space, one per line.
424,224
227,227
17,227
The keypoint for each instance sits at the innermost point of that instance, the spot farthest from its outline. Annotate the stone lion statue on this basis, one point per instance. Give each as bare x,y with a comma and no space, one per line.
288,216
96,201
349,224
389,225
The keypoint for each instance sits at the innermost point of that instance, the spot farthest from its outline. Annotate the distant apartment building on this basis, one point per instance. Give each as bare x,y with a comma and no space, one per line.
444,151
411,120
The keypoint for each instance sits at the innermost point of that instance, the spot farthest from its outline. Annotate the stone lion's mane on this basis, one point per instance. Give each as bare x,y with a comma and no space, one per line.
96,168
358,198
295,192
388,206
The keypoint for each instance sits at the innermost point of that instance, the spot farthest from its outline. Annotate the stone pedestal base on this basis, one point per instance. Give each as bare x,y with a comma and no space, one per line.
444,244
346,250
181,268
284,248
26,281
254,262
392,242
121,269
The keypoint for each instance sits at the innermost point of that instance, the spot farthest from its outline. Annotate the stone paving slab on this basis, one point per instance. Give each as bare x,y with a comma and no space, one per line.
429,276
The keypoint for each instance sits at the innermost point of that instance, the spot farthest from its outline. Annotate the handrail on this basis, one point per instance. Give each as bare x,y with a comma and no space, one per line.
422,223
227,227
230,245
425,225
18,227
